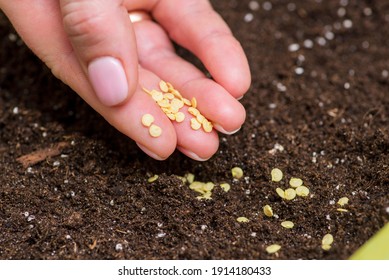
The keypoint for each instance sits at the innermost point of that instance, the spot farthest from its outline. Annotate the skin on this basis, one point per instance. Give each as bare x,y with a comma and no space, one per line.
67,35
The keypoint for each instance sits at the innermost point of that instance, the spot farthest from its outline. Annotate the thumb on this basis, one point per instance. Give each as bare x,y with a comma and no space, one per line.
102,37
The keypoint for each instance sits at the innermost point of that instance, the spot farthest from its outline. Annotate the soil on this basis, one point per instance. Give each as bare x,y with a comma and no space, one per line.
319,113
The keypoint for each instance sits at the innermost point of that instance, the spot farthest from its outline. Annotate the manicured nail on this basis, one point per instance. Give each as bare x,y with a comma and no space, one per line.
149,153
218,127
109,80
191,154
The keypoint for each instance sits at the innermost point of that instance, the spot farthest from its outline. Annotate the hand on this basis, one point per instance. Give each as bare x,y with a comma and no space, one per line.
93,47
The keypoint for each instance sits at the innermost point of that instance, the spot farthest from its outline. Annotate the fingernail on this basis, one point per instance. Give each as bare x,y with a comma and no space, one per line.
109,80
149,153
191,154
218,127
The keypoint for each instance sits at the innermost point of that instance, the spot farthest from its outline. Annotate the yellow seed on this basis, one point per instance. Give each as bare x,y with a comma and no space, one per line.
271,249
207,126
171,116
163,86
155,130
295,182
242,220
193,101
164,103
343,201
268,211
326,247
168,96
208,186
190,177
342,210
200,118
194,124
287,224
146,90
193,111
290,194
153,178
327,239
180,117
177,103
206,195
276,175
196,185
169,85
225,186
237,172
176,93
302,191
156,95
147,119
186,102
280,192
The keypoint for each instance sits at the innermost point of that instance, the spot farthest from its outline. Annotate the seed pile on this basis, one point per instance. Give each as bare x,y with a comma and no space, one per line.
296,186
171,102
154,130
204,189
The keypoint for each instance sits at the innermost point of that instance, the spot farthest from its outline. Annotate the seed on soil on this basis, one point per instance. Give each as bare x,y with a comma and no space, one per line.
343,201
190,177
290,194
327,239
237,172
280,192
271,249
153,178
147,119
268,211
295,182
341,210
302,191
242,220
276,175
225,186
287,224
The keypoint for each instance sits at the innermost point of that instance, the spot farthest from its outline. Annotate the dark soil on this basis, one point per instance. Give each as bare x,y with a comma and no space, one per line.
91,200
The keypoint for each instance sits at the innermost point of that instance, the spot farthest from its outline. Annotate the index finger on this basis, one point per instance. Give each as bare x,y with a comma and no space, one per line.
196,26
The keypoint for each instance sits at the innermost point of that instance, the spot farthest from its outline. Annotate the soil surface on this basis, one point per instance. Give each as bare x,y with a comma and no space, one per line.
317,109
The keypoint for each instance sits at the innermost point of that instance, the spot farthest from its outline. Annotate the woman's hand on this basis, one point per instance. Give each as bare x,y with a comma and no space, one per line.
93,47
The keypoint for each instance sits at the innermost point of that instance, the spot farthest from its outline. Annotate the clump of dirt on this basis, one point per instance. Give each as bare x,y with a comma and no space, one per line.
317,109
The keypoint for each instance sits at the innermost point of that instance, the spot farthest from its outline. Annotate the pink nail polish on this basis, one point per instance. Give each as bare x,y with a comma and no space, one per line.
109,80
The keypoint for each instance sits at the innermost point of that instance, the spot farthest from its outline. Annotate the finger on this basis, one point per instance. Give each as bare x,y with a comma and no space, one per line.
101,35
197,27
157,54
40,26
